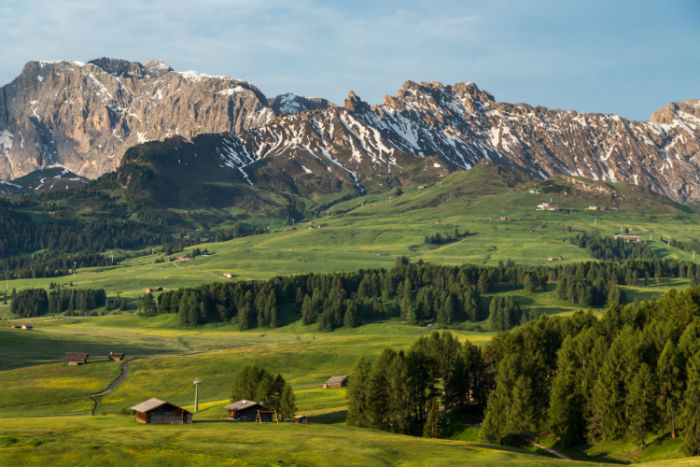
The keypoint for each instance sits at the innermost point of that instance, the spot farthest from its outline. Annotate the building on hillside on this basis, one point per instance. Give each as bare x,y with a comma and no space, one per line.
184,258
153,289
116,356
301,419
228,275
335,382
157,411
15,326
250,411
547,207
27,326
592,208
76,358
629,238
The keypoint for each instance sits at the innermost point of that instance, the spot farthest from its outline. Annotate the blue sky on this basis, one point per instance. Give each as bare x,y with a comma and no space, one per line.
612,56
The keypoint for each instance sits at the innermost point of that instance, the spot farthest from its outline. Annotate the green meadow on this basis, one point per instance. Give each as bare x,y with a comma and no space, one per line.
48,415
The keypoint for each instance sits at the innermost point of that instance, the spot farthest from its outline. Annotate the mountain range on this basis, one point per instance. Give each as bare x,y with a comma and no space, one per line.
84,117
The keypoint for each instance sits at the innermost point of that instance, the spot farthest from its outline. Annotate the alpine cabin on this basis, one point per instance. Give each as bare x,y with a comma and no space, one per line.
250,411
335,382
157,411
76,358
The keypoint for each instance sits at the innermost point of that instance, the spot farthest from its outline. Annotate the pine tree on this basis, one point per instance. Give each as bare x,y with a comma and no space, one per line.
689,418
287,402
349,318
640,404
670,379
358,393
433,425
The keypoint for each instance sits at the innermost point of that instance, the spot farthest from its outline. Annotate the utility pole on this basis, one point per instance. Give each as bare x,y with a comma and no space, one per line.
75,264
196,394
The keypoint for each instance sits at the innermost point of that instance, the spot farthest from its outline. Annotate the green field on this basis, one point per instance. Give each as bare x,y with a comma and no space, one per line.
47,410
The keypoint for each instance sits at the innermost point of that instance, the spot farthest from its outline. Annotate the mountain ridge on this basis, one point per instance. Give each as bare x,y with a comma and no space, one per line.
84,116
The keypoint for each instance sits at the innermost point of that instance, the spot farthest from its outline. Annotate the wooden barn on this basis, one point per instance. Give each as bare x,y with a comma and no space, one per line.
76,358
250,411
335,382
301,419
116,356
27,326
158,411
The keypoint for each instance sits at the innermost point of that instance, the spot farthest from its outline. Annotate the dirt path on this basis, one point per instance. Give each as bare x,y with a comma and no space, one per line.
551,451
112,386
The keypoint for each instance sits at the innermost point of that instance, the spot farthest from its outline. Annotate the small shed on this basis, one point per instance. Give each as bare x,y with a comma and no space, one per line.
228,275
15,326
27,326
153,289
76,358
336,382
250,411
301,419
116,356
157,411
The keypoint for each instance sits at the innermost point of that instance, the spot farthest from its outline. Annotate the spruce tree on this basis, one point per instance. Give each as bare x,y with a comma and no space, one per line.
689,418
640,404
433,425
670,377
358,393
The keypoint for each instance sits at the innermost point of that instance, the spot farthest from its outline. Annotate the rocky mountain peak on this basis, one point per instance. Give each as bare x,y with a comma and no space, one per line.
292,104
354,104
688,111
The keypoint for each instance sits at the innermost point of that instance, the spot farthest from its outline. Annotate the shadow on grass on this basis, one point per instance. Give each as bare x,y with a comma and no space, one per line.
329,418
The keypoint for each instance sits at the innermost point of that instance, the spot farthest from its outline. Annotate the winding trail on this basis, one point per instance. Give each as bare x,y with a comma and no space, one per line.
112,386
551,451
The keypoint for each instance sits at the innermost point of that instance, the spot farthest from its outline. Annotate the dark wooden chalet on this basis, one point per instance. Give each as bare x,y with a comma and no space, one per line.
250,411
116,356
336,382
76,358
158,411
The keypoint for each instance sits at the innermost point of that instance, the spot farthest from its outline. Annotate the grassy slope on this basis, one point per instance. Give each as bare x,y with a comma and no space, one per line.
118,440
372,231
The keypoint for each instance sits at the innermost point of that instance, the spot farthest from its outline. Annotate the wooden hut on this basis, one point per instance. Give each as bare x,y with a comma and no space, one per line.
27,326
250,411
157,411
301,419
76,358
116,356
335,382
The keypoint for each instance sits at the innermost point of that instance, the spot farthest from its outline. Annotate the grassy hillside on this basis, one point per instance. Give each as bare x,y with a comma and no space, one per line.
494,204
119,440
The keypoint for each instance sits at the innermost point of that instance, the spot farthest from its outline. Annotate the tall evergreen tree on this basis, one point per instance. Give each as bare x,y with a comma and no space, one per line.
433,425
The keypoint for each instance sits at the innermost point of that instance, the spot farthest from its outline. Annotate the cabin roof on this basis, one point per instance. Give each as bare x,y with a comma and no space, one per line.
337,379
242,404
152,404
77,355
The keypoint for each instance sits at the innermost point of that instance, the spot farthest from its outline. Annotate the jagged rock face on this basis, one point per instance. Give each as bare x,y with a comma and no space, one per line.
84,117
463,124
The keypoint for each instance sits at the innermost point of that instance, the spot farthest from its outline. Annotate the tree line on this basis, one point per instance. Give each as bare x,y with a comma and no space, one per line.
579,379
36,302
418,293
398,390
611,248
635,371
